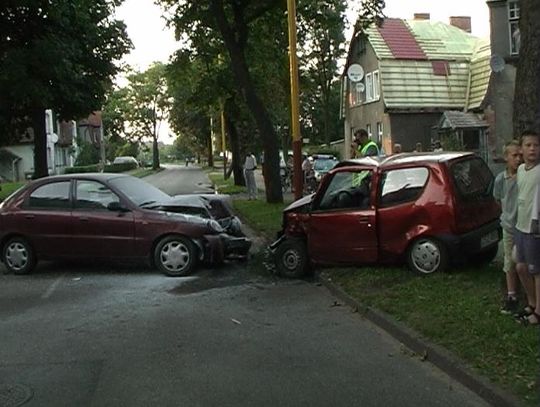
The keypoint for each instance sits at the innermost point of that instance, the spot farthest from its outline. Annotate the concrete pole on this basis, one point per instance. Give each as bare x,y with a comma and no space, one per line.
295,115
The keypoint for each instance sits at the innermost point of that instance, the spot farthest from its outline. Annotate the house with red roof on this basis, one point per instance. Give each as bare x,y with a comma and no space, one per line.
420,81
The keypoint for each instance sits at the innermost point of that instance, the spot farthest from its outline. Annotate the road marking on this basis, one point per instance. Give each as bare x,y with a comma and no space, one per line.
52,288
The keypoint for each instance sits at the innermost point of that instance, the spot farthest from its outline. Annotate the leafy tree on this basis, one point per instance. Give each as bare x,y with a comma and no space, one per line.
321,24
115,111
233,21
527,87
57,54
149,103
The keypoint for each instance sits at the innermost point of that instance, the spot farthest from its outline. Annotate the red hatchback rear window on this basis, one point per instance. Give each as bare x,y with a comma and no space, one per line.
472,178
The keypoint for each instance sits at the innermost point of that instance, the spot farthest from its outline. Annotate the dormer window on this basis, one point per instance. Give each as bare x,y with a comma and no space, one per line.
513,25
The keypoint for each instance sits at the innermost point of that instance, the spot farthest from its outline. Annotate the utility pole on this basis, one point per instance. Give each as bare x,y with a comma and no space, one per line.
295,115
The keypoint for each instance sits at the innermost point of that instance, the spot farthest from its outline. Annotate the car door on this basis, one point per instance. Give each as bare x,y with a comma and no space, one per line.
98,231
342,225
45,219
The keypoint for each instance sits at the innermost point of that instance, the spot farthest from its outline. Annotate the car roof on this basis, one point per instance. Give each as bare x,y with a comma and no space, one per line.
404,159
98,176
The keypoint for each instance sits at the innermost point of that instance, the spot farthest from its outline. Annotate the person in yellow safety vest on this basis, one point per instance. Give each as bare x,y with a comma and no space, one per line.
366,147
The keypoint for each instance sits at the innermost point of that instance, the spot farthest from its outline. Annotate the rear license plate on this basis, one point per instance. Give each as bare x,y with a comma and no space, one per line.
489,239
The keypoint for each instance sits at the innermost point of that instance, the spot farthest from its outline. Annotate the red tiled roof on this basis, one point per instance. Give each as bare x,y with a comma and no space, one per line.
400,40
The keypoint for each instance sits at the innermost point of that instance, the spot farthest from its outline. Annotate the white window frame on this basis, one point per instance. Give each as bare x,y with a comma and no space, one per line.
369,87
513,26
368,129
379,132
376,86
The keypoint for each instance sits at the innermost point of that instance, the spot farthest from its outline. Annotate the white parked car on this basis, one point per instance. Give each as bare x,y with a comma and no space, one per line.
125,160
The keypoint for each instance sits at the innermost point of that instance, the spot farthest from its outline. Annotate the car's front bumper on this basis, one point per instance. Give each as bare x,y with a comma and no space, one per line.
224,246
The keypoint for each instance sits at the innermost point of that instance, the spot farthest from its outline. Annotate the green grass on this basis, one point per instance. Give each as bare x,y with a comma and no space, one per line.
143,172
8,188
224,186
458,310
265,218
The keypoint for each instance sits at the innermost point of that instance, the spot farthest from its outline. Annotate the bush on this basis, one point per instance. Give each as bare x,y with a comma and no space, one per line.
96,167
82,169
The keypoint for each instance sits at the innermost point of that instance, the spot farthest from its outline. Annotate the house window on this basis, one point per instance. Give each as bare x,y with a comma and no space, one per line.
513,24
376,86
379,132
368,129
369,87
356,90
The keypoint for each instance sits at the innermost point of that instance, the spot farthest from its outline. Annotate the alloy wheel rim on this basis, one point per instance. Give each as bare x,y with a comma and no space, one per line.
175,256
17,256
291,259
426,257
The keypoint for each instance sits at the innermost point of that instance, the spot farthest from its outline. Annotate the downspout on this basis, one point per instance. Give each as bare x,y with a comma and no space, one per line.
13,169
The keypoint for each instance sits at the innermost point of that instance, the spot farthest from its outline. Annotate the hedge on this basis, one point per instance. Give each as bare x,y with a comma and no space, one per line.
123,167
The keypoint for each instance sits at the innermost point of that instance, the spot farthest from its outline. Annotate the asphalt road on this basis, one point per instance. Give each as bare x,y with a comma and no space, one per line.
124,335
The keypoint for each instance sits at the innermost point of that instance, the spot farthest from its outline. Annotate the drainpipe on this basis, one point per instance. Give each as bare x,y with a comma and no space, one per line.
14,167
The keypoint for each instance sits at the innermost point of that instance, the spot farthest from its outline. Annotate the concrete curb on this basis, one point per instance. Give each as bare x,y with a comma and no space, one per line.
438,356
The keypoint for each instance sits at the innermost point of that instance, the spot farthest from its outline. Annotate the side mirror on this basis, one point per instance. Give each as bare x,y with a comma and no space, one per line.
116,206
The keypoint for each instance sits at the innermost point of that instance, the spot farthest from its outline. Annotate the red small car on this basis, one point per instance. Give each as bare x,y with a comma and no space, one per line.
426,209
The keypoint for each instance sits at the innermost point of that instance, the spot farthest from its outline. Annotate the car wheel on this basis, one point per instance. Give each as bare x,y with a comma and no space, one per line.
175,256
427,256
291,258
19,256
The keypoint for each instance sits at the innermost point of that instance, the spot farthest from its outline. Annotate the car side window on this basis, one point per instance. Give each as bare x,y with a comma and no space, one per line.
348,190
93,195
51,196
402,185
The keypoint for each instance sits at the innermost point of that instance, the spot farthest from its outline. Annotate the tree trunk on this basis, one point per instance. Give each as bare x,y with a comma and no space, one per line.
210,152
236,163
244,83
41,167
155,153
527,87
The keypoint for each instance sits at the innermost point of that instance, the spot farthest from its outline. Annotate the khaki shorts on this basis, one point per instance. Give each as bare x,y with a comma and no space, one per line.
508,244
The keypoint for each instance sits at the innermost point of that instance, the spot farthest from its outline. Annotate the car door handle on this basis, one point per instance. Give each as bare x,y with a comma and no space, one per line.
83,219
29,216
364,219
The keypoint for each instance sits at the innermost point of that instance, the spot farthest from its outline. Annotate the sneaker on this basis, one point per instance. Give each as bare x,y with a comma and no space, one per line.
510,306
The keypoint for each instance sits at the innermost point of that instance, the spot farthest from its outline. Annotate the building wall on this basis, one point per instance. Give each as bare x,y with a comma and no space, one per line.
360,116
409,129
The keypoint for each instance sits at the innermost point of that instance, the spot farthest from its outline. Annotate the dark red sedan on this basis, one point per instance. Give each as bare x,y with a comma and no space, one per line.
428,210
115,216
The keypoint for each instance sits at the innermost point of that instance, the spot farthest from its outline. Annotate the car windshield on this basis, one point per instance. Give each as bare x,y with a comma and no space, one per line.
324,165
139,191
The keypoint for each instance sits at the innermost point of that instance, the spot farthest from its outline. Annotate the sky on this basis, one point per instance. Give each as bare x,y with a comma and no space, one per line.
153,41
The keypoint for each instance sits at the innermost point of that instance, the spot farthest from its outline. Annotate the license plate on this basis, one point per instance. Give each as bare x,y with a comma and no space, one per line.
489,239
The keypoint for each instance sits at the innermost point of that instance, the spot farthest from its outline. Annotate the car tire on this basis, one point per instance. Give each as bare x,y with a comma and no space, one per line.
175,256
291,258
18,256
427,256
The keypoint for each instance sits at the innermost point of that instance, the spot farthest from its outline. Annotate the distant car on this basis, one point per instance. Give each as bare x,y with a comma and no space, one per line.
116,216
426,209
126,160
322,163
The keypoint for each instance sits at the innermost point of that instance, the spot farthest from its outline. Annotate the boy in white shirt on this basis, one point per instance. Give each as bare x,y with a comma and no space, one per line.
526,239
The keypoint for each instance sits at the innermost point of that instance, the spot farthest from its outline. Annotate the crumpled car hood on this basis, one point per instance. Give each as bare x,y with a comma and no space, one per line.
301,203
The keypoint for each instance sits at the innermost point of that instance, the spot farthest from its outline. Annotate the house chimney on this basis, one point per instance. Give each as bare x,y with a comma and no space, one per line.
462,22
421,16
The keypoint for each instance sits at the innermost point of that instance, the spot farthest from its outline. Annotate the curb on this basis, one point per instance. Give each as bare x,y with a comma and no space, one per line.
436,355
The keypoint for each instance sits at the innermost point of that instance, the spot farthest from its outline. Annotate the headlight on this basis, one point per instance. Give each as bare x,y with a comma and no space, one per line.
216,227
317,175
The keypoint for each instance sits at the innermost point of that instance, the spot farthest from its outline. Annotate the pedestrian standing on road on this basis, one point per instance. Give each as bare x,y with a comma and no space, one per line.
505,192
250,165
526,238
